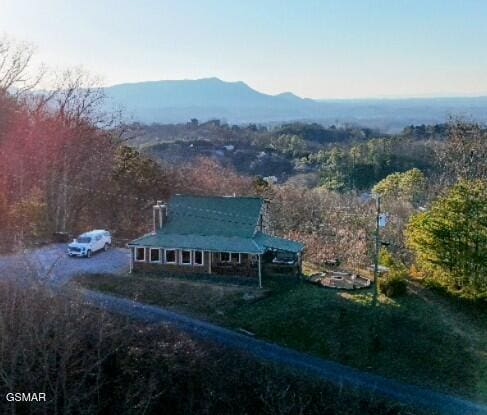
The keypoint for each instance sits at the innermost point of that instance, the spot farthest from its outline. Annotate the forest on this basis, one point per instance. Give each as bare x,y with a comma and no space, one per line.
336,158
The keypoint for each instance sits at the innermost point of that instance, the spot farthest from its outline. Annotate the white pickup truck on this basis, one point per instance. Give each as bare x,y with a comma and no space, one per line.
89,242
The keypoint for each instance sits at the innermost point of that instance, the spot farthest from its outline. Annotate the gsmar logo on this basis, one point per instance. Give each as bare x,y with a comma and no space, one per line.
25,397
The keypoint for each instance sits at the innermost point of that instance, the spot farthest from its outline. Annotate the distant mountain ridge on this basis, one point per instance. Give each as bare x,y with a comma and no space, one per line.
177,101
204,92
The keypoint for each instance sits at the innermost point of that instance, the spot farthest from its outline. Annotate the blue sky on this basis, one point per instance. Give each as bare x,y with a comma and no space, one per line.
317,49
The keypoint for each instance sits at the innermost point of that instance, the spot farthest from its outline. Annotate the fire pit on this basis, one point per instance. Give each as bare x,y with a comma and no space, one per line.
340,280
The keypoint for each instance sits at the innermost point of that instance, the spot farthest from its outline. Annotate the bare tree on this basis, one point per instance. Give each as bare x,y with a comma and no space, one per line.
332,225
15,61
464,154
51,345
78,99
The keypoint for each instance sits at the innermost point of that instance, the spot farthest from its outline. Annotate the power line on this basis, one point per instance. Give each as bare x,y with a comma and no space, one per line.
104,193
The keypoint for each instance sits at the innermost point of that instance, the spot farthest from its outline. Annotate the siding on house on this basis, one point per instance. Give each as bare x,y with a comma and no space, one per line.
177,267
246,267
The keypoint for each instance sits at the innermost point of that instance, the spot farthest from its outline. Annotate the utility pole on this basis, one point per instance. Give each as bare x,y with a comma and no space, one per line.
375,338
377,250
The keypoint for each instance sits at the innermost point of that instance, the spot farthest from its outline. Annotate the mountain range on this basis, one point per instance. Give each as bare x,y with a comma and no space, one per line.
235,102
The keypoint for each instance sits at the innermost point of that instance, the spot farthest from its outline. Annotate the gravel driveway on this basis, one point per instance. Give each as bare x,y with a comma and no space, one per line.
50,263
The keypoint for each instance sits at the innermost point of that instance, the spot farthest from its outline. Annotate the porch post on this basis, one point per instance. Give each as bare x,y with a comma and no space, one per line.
210,254
131,260
260,272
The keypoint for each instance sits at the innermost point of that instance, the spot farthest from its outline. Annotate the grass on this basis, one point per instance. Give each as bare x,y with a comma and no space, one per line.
423,338
93,362
203,298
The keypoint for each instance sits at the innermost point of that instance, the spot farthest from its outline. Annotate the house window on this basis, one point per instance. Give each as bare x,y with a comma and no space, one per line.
225,256
155,255
185,257
235,257
170,256
198,258
140,254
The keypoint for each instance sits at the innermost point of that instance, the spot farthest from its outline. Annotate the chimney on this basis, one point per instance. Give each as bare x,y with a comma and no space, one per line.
159,215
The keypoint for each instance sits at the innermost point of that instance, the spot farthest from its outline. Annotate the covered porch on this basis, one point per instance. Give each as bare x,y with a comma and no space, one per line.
235,263
271,261
215,255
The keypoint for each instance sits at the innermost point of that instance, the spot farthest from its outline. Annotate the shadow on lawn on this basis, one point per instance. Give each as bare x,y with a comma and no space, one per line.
202,278
414,343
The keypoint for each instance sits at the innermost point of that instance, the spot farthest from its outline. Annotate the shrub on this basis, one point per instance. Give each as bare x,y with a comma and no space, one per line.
386,259
415,273
394,283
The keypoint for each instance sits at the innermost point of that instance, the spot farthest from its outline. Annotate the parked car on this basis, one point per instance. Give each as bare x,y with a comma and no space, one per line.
89,242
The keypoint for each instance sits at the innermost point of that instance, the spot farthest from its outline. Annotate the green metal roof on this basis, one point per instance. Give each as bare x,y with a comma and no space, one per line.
215,224
223,216
200,242
281,244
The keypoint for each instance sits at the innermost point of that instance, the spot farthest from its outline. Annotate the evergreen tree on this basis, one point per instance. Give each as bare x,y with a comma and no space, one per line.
450,240
409,185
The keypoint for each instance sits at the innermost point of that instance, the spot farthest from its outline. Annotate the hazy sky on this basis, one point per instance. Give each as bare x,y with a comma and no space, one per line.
317,49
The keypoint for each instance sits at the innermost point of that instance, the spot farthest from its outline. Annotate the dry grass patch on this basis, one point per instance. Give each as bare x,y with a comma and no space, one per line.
200,298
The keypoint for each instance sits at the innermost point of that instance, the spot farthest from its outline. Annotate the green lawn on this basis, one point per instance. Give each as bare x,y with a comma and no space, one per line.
423,338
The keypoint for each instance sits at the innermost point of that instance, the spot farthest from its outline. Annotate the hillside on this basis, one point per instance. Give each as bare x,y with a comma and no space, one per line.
250,150
177,101
236,102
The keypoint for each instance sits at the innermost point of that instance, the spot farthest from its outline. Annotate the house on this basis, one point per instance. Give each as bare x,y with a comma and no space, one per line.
211,235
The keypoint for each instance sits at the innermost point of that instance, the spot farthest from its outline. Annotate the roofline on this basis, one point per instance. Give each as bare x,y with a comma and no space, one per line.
259,249
282,237
216,197
143,236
